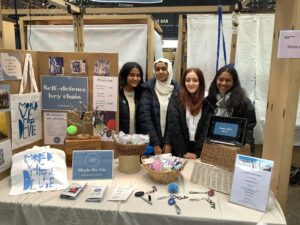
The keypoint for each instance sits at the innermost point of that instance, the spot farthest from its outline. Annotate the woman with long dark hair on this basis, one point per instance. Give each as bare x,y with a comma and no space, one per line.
228,98
130,79
188,116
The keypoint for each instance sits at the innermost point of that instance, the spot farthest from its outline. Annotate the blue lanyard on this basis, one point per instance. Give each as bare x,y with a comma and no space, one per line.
220,27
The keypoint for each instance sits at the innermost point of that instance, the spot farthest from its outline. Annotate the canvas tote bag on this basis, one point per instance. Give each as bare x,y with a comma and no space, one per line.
26,114
38,169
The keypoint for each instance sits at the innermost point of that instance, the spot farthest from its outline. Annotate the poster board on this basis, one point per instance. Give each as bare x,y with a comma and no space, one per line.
41,67
90,59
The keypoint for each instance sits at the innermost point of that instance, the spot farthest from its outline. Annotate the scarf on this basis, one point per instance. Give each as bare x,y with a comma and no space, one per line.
221,109
164,88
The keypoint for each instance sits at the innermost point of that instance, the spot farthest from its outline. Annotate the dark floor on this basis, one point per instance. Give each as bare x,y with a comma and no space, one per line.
293,206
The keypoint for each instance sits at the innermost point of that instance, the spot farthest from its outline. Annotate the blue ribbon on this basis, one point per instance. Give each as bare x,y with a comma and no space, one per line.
220,28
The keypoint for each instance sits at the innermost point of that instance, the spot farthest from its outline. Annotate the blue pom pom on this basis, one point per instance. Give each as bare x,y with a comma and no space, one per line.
173,188
149,150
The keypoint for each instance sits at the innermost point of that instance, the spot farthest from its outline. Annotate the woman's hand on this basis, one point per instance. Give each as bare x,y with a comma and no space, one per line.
190,155
167,148
157,150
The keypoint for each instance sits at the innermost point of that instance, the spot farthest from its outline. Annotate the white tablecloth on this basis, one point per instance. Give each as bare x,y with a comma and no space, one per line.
48,209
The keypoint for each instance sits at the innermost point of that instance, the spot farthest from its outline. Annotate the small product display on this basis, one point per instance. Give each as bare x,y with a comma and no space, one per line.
96,193
129,149
164,168
72,191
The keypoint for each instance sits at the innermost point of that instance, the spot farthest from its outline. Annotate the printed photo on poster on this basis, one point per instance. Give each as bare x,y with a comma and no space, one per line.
3,126
4,98
10,66
5,155
102,68
105,125
78,66
56,65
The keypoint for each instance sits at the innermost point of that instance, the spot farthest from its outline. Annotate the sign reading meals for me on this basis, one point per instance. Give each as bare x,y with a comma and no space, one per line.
64,92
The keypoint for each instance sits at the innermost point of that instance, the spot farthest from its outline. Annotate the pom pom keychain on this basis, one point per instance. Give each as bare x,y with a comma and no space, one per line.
173,188
72,130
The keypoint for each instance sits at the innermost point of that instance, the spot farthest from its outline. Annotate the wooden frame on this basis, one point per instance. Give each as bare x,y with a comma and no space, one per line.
135,10
282,102
95,19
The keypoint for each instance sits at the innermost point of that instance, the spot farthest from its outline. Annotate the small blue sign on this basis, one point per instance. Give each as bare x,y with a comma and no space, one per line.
92,164
64,92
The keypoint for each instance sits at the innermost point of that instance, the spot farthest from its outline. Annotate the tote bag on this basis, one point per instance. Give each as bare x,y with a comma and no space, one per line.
38,169
26,115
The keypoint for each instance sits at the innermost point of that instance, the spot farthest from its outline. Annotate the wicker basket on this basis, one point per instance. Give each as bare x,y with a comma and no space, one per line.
211,176
130,149
221,155
164,177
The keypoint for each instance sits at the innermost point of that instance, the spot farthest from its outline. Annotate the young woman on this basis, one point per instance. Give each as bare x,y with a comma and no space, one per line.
188,116
154,103
130,78
228,98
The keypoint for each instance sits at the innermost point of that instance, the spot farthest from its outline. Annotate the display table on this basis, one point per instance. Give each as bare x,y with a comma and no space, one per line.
47,208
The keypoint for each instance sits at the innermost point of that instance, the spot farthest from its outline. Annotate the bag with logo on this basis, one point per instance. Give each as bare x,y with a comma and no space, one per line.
38,169
26,114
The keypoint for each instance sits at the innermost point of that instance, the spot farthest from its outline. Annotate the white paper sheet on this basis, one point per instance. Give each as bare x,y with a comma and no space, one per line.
55,126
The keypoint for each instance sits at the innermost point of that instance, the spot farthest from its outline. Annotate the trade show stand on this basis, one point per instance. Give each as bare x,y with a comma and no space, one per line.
44,208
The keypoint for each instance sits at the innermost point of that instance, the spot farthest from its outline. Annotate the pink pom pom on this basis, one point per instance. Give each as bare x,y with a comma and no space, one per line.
156,165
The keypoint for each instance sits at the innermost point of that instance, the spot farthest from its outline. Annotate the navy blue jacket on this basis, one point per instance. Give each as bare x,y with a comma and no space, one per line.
149,113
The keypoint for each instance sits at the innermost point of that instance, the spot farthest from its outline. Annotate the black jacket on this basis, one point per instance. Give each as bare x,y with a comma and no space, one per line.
124,112
247,111
178,131
149,113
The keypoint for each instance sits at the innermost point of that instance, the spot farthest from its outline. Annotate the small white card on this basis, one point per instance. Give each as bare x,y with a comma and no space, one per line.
121,194
289,44
251,182
96,193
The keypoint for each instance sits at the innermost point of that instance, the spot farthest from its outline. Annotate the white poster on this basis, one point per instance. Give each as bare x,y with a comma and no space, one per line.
251,182
289,44
55,128
10,66
105,94
5,155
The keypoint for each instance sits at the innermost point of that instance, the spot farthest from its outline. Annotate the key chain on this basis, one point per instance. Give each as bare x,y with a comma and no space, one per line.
211,202
210,192
172,201
140,194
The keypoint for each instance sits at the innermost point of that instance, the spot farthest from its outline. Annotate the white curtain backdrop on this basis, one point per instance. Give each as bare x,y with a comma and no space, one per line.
253,56
50,38
129,40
